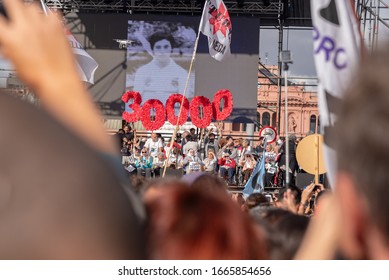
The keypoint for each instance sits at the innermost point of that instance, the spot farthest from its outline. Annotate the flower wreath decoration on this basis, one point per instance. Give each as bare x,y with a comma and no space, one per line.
160,115
228,104
135,106
201,101
170,112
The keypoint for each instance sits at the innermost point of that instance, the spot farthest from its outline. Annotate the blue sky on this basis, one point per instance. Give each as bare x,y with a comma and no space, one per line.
299,42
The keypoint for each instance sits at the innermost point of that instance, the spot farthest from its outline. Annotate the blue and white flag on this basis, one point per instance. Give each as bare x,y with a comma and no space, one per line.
255,182
337,52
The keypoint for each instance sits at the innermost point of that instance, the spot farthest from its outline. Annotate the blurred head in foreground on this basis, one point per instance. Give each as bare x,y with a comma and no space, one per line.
186,223
362,134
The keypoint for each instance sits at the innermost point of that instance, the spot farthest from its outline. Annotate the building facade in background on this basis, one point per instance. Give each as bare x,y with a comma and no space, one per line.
303,109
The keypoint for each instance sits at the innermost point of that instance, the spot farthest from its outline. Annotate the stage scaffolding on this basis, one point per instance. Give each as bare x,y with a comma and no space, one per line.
370,12
374,16
282,15
266,9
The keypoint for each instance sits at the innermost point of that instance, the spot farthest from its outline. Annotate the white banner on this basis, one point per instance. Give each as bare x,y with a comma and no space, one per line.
337,45
86,65
216,25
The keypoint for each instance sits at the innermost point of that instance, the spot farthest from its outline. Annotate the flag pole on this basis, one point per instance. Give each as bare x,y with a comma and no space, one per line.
317,159
182,101
44,7
286,130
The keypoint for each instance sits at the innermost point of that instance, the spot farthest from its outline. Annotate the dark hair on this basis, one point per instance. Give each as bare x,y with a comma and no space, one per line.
292,137
280,194
270,215
268,218
137,183
158,36
172,166
256,199
296,192
288,235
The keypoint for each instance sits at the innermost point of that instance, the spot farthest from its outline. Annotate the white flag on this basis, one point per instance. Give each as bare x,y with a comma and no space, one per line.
86,65
216,25
337,52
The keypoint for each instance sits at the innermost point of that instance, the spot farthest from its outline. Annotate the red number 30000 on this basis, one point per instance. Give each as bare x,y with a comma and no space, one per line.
162,113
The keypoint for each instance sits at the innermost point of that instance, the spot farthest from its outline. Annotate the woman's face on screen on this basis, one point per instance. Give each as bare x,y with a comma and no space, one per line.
162,49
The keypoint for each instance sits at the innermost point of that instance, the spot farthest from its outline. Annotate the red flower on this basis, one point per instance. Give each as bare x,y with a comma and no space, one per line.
201,101
228,104
160,115
135,106
172,100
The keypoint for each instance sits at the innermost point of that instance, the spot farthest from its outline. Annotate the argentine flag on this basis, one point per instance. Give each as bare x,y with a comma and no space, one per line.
255,182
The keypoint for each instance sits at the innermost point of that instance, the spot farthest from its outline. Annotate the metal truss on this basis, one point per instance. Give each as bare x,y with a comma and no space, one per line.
373,18
267,9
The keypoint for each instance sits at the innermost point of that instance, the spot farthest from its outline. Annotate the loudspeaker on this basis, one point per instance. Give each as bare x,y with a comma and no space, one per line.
304,179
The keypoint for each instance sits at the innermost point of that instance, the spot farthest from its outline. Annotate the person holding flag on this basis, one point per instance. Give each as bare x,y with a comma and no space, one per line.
255,183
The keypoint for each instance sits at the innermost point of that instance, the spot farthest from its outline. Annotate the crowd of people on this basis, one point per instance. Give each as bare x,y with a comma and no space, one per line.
79,204
231,159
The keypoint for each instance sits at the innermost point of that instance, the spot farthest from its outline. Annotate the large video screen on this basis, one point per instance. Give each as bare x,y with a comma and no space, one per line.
237,72
159,68
158,60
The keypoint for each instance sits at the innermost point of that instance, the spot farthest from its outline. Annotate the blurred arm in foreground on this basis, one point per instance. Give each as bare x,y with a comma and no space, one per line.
58,198
37,46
